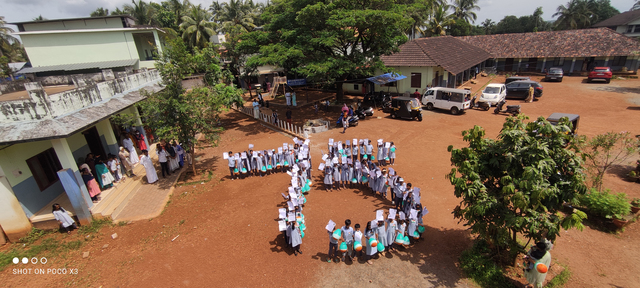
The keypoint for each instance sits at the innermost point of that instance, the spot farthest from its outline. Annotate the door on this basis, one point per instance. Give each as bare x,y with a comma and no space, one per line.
95,144
508,64
533,62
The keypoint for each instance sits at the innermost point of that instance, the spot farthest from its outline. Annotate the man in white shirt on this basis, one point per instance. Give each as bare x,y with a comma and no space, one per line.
163,156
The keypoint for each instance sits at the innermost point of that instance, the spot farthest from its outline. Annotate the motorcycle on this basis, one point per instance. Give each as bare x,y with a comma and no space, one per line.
353,121
362,112
511,109
480,105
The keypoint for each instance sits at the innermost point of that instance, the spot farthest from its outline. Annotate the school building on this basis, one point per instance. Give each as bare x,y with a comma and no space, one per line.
45,134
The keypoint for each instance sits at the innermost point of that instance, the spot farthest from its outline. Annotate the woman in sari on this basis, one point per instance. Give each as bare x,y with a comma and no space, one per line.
91,184
104,177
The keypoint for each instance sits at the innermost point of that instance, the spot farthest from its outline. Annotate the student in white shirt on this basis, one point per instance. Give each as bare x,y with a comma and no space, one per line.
63,218
163,157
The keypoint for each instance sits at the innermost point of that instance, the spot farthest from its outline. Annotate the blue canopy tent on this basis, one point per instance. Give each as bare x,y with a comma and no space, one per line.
387,78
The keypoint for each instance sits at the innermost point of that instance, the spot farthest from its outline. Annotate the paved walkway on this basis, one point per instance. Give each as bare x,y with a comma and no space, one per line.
150,199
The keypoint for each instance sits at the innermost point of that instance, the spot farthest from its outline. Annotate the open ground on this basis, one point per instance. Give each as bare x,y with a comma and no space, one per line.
227,235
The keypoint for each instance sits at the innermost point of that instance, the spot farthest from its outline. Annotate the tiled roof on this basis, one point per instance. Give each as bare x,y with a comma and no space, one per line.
620,19
567,43
448,52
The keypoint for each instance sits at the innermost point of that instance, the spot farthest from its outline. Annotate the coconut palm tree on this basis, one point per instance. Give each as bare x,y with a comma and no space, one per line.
179,9
635,6
196,27
141,11
236,16
463,9
101,11
440,20
5,37
576,14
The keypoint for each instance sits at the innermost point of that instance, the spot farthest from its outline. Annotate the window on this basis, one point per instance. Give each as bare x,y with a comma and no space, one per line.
44,168
630,29
619,61
416,80
558,61
355,87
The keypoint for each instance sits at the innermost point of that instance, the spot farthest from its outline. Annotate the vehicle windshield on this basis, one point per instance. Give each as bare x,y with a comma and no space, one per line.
555,70
492,90
601,70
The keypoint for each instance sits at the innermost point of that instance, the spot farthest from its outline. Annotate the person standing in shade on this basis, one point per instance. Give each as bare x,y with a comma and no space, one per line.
133,155
293,99
145,160
288,114
287,96
416,94
163,158
126,164
92,185
539,254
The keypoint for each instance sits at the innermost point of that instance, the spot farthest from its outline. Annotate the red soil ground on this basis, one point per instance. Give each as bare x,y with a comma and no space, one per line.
228,235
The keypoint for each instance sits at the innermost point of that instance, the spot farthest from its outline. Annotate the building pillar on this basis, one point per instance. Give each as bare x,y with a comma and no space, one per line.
104,128
158,44
606,61
573,63
82,199
519,62
544,63
13,220
139,126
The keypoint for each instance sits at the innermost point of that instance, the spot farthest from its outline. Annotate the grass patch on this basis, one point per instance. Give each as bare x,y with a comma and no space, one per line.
561,279
34,235
478,266
48,247
95,226
122,223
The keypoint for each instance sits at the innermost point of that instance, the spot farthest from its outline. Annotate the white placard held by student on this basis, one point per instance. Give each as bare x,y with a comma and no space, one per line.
225,155
279,150
330,226
282,225
244,155
387,145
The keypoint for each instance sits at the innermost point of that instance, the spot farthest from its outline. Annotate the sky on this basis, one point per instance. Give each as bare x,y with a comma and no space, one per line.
26,10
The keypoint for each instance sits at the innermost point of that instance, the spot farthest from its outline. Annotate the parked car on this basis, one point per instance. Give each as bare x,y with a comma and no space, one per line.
493,93
554,73
600,73
454,100
520,89
515,78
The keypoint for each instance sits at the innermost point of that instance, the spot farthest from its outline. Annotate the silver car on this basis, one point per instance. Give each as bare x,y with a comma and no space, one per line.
493,94
554,73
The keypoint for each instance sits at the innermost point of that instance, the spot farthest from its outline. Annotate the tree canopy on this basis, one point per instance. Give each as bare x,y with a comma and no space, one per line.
182,115
331,40
516,184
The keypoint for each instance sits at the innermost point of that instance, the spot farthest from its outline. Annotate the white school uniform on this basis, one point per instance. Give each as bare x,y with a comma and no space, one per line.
152,175
133,155
62,216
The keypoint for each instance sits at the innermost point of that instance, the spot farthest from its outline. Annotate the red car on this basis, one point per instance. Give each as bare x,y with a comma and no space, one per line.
600,73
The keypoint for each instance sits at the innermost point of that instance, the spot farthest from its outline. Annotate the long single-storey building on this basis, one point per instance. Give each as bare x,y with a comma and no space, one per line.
573,50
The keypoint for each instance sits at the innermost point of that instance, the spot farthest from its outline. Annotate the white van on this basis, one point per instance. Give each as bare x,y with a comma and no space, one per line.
454,100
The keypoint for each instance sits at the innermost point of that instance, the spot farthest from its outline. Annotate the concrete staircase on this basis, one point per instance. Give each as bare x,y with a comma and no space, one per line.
113,203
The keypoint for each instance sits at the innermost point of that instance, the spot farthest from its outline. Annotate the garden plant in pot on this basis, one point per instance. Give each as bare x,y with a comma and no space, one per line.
635,205
607,205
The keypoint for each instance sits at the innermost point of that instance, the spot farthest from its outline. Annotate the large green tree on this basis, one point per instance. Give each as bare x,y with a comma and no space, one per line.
182,115
6,39
331,40
141,11
197,28
516,184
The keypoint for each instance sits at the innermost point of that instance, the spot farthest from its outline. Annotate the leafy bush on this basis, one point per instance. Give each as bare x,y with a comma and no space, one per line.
605,204
481,268
95,226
